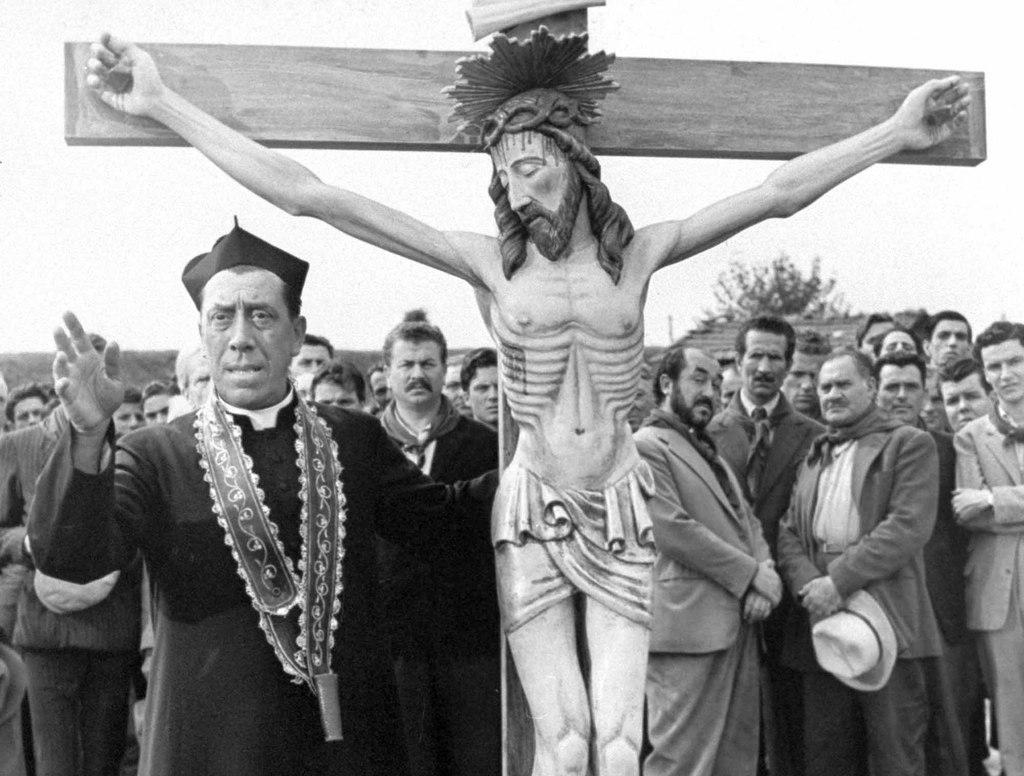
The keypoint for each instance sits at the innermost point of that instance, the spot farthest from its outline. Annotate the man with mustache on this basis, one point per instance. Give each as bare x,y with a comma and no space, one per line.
562,289
862,510
441,613
764,439
955,729
714,579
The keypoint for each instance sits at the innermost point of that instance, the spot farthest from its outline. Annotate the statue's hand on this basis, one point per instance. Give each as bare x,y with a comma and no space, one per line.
930,113
123,75
85,381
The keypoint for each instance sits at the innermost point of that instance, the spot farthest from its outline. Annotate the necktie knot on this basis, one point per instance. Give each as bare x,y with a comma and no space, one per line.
758,414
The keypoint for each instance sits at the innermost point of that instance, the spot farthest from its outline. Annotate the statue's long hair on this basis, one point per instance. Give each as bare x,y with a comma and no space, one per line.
609,222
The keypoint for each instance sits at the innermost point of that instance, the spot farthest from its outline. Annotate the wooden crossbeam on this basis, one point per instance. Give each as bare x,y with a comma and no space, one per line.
381,99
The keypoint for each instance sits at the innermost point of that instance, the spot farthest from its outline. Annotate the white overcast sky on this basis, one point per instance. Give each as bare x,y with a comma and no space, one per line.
106,231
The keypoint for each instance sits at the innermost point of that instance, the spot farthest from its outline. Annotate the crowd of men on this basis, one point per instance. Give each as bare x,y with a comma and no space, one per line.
838,588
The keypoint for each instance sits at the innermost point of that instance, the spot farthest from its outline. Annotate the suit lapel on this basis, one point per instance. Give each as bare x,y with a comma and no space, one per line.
684,451
785,442
1002,452
868,448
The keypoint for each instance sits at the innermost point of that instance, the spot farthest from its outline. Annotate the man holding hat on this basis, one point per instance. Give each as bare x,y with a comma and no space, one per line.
256,515
850,550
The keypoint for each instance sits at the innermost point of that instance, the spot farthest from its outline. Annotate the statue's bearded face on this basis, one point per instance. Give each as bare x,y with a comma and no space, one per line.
543,189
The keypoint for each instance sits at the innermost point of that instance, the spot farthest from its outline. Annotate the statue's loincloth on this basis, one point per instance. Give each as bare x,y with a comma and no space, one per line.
552,542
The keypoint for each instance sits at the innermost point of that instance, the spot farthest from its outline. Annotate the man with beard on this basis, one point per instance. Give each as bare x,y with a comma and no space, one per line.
966,394
562,290
957,732
764,440
801,383
862,509
441,613
714,579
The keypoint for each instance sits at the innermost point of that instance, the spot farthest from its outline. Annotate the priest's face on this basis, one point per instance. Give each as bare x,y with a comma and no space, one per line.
249,336
543,189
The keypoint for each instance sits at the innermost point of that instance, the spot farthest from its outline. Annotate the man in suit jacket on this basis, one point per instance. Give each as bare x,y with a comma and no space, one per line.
713,581
862,509
958,724
441,613
989,502
766,454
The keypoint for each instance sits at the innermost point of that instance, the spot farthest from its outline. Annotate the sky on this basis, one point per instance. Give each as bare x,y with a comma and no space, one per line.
106,231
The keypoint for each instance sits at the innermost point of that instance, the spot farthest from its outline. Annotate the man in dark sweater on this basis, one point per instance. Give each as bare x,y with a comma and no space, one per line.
442,613
256,516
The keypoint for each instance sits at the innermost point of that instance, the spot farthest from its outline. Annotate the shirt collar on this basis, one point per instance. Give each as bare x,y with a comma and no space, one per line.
1005,415
749,406
264,418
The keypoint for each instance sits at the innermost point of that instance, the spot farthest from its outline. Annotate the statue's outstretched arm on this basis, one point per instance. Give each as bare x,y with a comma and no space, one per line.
126,78
927,117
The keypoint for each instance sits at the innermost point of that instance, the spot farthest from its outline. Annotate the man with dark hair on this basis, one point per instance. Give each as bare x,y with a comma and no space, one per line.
340,384
479,380
989,502
315,353
714,580
763,439
801,383
862,509
156,402
26,405
872,329
377,377
441,615
254,502
129,415
949,338
955,736
965,391
562,290
730,384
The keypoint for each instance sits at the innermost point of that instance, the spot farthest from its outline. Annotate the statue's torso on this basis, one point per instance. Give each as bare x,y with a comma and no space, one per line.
571,344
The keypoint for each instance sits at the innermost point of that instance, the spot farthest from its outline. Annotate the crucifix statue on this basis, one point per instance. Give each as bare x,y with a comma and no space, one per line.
562,290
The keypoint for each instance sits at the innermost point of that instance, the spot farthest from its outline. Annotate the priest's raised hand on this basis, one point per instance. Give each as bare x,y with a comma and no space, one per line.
86,381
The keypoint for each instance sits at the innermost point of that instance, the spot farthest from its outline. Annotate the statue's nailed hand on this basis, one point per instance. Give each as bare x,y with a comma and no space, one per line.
86,381
931,112
123,75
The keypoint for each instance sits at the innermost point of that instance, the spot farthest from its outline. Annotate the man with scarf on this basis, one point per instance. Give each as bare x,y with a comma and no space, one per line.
441,613
256,516
989,502
862,509
714,579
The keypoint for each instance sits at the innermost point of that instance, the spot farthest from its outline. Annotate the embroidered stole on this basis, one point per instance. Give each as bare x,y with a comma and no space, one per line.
298,610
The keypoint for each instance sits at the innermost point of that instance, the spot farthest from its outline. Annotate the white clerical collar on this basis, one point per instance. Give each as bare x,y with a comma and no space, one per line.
264,418
749,406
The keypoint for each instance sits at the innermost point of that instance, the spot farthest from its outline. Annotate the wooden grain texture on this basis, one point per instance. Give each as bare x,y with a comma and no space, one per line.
300,97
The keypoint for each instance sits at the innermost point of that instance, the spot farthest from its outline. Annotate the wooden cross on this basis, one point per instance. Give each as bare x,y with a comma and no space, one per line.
296,97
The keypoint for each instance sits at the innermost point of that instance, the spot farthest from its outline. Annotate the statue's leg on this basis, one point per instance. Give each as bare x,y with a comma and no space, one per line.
618,669
544,650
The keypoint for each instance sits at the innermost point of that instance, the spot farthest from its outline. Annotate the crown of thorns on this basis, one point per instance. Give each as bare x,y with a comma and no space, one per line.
521,84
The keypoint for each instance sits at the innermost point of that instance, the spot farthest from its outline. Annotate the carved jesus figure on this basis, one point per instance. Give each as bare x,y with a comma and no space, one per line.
562,290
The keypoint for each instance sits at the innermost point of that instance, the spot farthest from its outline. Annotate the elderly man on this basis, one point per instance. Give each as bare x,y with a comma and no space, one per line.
714,580
862,509
989,502
562,289
442,613
256,517
764,440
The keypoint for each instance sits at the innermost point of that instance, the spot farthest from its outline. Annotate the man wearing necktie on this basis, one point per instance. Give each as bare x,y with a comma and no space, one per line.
989,502
764,440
